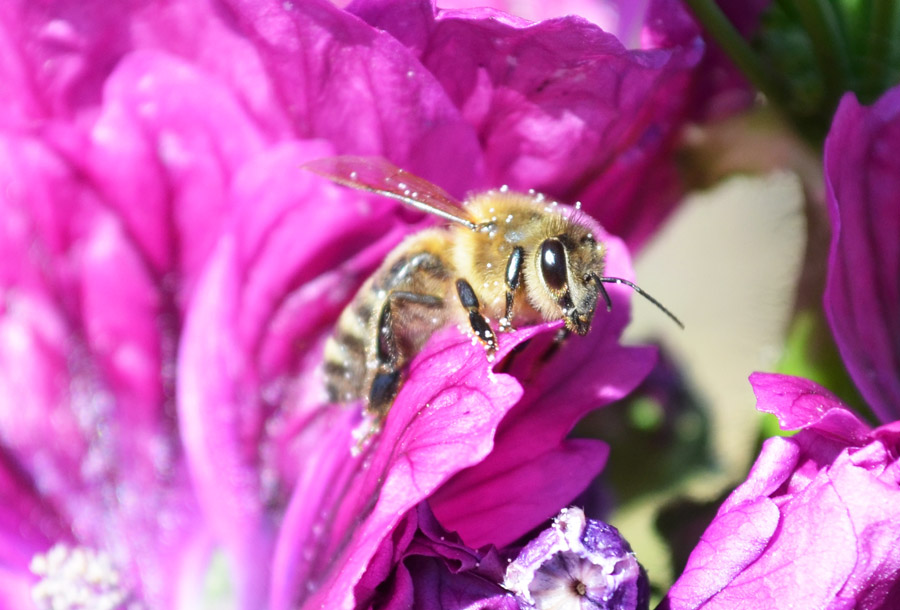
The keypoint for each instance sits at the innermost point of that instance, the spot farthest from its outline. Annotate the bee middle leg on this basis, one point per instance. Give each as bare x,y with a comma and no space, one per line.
477,321
391,353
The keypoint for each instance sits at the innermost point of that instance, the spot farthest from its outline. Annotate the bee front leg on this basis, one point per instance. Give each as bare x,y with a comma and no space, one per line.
478,322
513,279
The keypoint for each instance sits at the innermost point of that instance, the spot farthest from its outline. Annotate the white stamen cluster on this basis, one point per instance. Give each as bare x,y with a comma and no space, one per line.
78,579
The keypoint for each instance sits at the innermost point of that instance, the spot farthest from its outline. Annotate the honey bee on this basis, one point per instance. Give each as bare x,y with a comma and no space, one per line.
503,256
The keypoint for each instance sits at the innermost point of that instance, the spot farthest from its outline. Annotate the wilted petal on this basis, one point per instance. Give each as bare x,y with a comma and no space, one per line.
578,564
863,290
773,542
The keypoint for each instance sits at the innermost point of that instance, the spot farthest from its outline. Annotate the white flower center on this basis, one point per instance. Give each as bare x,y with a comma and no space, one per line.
77,579
566,581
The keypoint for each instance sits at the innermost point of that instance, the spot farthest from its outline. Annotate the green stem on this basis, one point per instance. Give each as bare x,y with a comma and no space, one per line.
879,50
724,33
823,26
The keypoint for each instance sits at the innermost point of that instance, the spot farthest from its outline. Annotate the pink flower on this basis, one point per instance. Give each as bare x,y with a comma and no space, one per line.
814,524
168,275
863,292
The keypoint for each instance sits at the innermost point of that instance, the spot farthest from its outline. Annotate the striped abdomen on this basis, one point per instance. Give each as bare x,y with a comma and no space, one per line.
388,322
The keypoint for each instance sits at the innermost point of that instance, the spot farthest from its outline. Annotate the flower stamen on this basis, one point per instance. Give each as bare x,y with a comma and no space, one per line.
76,579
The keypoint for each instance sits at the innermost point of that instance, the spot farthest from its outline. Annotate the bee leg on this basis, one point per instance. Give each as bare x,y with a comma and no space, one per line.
478,322
387,378
513,279
561,335
389,352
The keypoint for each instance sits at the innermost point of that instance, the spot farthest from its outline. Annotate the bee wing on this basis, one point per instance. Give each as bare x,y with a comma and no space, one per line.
377,175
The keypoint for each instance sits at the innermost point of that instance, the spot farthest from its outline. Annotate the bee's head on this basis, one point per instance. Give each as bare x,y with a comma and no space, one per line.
570,270
569,266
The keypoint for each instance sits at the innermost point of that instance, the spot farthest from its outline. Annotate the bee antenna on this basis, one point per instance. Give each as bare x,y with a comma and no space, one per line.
617,280
603,292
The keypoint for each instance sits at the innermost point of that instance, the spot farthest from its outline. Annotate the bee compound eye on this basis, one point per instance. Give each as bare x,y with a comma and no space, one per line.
553,264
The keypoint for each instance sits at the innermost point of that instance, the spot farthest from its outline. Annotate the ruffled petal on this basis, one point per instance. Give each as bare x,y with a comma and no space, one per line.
434,429
773,541
357,87
559,106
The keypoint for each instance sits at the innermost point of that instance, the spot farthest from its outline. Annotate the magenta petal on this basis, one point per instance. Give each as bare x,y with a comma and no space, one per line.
80,363
621,18
35,335
774,540
55,56
357,87
719,88
741,536
176,138
863,290
210,407
124,323
27,525
586,374
443,420
799,403
563,107
498,505
257,320
559,106
326,471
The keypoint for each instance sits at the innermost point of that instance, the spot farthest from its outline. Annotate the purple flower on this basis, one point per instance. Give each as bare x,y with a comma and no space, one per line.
578,563
862,296
814,524
168,276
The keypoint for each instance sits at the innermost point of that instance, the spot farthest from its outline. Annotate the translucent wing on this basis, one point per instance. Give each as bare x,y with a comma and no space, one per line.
377,175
